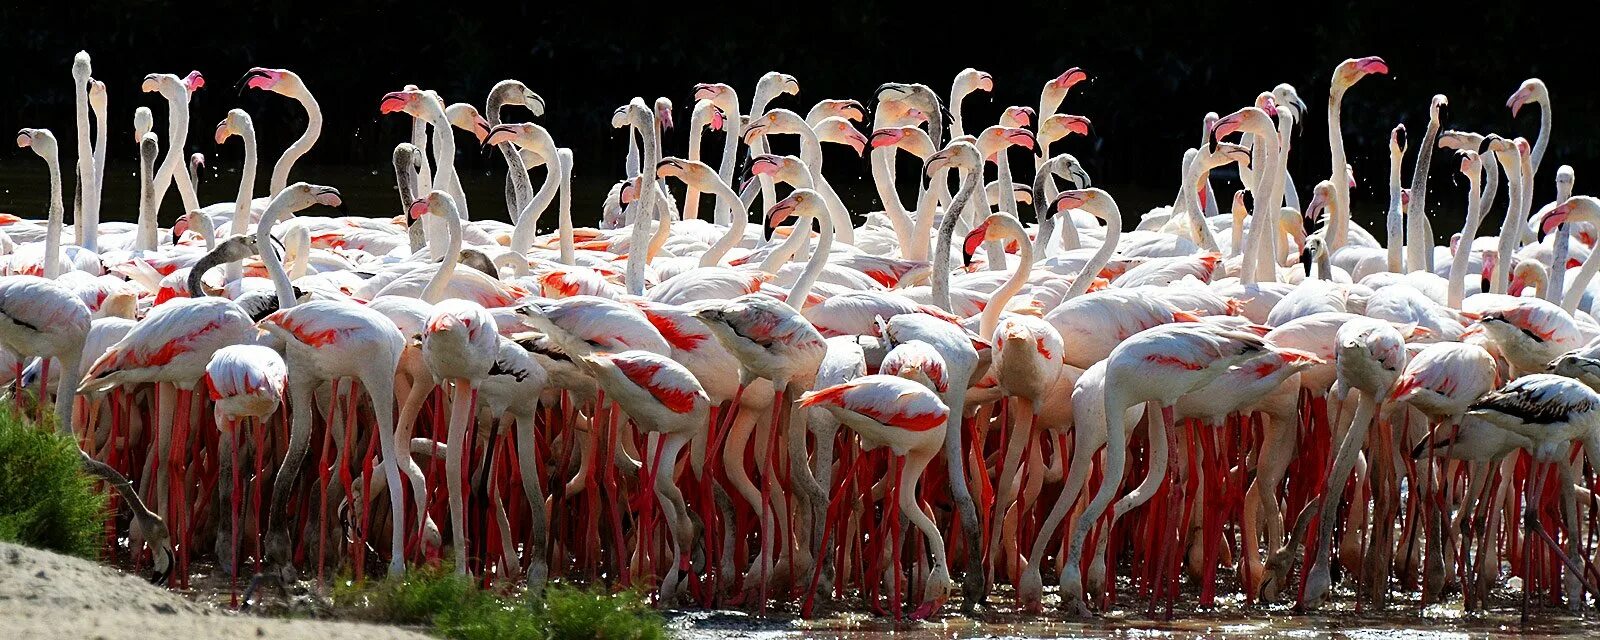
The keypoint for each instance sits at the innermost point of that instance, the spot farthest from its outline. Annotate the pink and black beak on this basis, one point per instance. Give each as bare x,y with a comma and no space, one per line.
970,245
500,133
778,213
255,78
718,118
1078,124
1069,77
1069,199
1372,64
394,101
221,134
857,141
194,81
853,110
480,130
884,138
330,197
24,138
418,208
1023,138
705,91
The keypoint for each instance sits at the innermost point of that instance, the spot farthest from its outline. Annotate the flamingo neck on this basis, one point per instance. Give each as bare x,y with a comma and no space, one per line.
564,215
280,171
1419,247
1091,269
147,240
516,171
89,216
882,159
527,223
241,205
1543,140
970,182
52,239
735,232
1338,216
177,135
997,302
435,290
819,260
269,255
1394,229
1510,234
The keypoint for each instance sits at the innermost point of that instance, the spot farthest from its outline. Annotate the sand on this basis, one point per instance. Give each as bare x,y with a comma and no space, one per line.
47,595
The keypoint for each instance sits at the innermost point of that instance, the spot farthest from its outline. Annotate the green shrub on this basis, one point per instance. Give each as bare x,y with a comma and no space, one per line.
46,500
456,608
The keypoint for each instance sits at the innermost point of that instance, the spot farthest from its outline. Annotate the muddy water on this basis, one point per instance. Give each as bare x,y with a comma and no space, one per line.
842,620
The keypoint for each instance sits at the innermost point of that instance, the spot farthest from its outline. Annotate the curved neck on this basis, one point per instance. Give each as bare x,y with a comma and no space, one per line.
1013,284
1543,140
819,260
1419,247
269,255
280,171
642,211
92,208
527,225
971,181
1091,269
516,171
736,227
435,290
691,197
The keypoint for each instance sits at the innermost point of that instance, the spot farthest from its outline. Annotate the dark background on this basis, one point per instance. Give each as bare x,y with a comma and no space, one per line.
1156,70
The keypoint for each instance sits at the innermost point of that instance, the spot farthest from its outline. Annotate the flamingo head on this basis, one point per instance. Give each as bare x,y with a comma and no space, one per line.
1017,116
466,117
1067,79
1397,139
515,133
1532,90
886,137
839,130
959,153
264,78
980,234
1354,69
630,190
400,101
663,108
802,201
1059,125
235,124
1074,199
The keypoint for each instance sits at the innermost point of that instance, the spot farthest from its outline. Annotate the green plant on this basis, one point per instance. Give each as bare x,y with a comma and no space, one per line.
584,614
46,500
456,608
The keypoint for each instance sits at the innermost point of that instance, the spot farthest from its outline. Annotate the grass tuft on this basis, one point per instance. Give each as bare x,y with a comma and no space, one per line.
456,608
46,501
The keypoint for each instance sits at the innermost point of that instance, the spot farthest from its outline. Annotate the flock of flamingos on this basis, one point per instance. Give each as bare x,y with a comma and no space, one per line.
1266,404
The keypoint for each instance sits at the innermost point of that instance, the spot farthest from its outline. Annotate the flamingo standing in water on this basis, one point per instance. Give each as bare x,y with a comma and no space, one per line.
908,418
1157,365
247,383
664,399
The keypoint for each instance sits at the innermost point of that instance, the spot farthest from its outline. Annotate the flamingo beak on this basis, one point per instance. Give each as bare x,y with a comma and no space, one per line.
705,91
150,85
418,209
501,133
259,78
194,81
970,245
1069,77
857,141
1226,126
883,138
853,110
1072,199
1372,64
329,197
480,129
222,132
752,131
24,139
393,102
